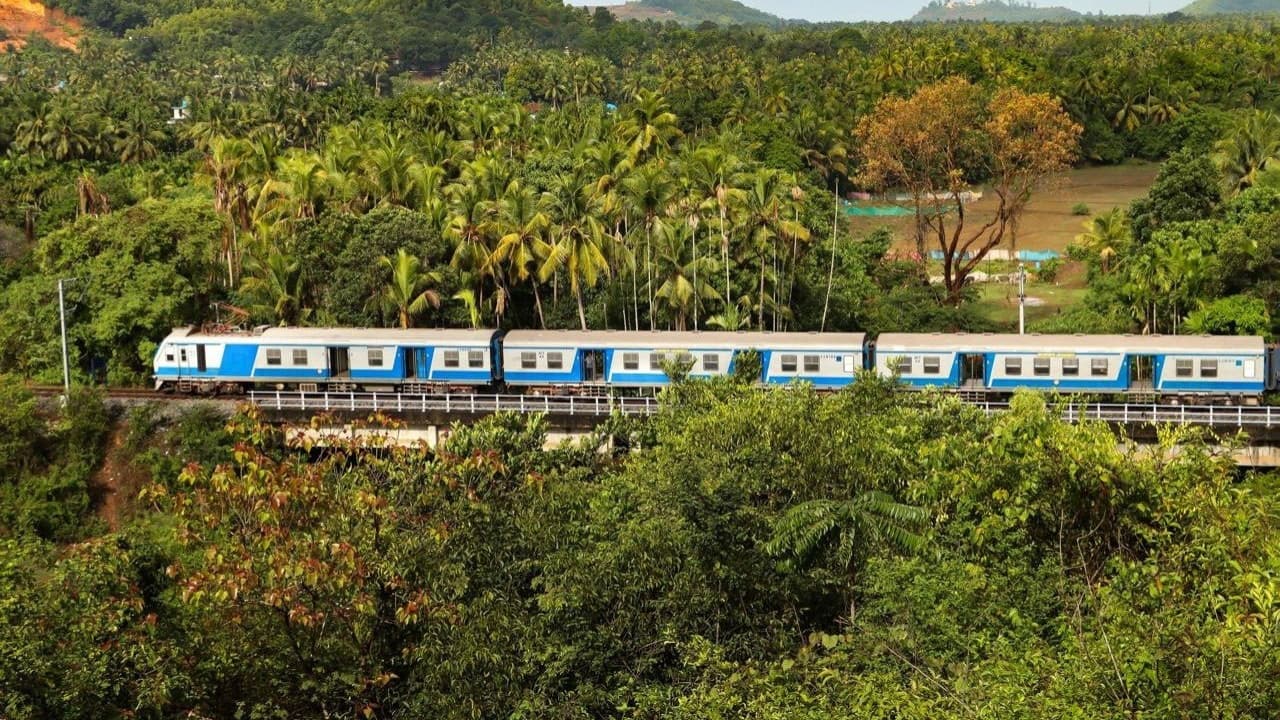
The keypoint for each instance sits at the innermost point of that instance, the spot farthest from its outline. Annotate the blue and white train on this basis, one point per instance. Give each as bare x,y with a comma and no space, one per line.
346,359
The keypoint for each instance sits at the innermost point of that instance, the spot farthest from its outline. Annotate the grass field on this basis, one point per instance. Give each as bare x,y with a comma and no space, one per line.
1049,223
999,302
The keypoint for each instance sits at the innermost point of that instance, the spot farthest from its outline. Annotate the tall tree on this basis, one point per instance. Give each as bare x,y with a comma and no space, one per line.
408,292
578,246
940,142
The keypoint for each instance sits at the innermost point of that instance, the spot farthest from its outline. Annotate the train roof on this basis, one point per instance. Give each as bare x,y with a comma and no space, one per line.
341,336
1163,344
643,340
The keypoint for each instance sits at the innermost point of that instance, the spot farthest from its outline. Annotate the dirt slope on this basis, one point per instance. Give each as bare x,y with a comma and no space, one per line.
20,18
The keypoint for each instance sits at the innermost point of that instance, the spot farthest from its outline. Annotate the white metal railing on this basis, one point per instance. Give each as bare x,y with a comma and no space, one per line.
452,404
601,406
1239,416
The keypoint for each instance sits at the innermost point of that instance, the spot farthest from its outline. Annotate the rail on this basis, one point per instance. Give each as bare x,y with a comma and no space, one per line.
601,406
463,404
1237,416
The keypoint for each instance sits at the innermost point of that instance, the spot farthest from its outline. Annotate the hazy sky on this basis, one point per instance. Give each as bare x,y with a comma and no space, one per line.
902,9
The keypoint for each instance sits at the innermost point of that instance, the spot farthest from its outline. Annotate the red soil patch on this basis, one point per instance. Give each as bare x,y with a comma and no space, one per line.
117,482
20,18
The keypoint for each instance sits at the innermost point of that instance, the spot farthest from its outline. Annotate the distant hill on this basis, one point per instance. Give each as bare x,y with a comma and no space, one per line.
993,11
694,12
1217,7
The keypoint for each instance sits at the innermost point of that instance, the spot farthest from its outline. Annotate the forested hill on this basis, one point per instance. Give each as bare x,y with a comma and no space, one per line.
412,33
1217,7
993,11
694,12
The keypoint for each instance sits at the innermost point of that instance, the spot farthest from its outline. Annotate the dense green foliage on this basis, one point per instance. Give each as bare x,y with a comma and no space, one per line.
310,151
1197,254
46,460
915,560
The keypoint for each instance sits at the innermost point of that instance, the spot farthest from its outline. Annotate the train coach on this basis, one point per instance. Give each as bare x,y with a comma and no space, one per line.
327,359
561,360
1237,368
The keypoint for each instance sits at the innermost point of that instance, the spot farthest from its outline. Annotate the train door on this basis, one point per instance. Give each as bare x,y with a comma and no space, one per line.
1142,373
410,363
184,361
593,368
339,362
972,371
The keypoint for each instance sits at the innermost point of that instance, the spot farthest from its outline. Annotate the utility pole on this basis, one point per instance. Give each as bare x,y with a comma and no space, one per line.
62,319
1022,299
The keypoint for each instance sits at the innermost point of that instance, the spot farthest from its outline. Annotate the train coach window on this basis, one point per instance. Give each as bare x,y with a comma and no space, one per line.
1070,367
630,361
1208,368
655,361
168,355
452,359
375,357
273,356
1013,366
932,365
1040,366
710,362
299,356
528,361
1100,367
555,361
904,365
1182,368
812,363
788,363
475,358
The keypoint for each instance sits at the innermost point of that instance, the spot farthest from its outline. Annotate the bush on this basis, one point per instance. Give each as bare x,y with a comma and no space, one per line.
1049,270
1081,210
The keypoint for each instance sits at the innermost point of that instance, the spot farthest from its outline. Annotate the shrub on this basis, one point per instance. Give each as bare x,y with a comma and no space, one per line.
1081,209
1049,270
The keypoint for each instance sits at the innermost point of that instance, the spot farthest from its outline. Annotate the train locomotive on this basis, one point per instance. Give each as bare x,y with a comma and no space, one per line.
1183,367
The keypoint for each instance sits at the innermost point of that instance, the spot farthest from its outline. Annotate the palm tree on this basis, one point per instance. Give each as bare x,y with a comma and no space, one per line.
735,316
1106,235
849,528
767,225
137,139
683,275
277,286
408,291
715,174
469,228
67,134
225,169
523,247
648,126
648,192
579,236
1248,150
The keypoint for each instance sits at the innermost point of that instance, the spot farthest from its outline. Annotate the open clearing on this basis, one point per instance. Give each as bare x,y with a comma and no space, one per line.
20,18
1049,223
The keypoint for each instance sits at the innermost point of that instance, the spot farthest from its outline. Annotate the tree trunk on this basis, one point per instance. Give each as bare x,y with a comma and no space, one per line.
537,303
582,310
648,267
831,270
761,315
724,250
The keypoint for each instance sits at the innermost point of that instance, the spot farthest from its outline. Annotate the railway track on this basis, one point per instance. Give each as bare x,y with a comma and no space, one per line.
120,393
462,405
